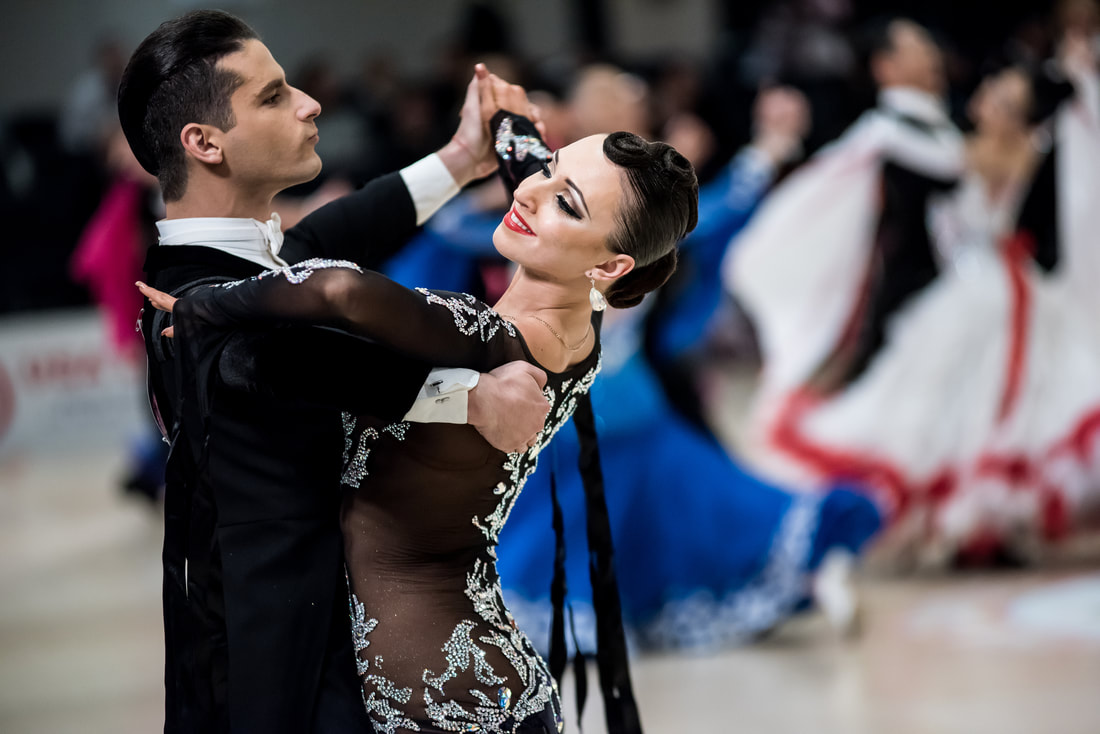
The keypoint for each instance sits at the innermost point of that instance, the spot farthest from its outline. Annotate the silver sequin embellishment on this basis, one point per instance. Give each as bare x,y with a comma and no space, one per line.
508,145
298,273
355,465
469,318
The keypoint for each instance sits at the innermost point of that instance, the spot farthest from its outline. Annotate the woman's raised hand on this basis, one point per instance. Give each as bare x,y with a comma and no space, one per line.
470,154
497,94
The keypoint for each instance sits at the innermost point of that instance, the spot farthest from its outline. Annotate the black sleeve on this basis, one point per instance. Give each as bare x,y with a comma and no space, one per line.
366,227
323,367
446,330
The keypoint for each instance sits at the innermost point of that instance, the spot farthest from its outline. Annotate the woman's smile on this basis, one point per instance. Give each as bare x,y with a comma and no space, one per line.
516,223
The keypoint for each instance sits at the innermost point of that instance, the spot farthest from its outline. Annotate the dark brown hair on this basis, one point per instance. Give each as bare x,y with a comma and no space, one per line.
662,207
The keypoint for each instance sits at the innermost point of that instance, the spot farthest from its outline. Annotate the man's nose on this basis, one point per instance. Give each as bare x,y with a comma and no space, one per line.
308,107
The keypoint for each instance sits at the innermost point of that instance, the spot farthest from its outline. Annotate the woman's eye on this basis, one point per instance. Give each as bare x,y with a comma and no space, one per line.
564,206
546,169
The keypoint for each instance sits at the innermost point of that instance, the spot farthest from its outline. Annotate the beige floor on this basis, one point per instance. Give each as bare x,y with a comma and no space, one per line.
80,644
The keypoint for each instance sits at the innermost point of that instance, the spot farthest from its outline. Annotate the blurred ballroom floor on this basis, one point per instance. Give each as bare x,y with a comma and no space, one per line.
1006,652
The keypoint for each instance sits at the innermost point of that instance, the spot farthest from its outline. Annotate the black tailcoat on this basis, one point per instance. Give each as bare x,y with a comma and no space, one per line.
257,632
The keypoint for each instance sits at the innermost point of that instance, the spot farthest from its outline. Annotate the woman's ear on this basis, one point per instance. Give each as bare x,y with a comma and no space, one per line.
611,269
199,144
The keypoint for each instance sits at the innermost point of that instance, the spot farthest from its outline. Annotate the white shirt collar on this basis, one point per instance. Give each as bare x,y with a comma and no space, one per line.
249,239
914,103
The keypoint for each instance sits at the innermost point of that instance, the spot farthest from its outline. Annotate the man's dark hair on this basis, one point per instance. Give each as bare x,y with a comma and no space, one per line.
173,79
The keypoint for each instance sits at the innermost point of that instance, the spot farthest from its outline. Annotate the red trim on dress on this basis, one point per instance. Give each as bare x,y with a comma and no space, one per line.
890,481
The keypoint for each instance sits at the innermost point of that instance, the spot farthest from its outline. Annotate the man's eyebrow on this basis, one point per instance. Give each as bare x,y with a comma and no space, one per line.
574,187
270,87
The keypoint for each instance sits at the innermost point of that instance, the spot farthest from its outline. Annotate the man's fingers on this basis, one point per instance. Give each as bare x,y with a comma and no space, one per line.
538,375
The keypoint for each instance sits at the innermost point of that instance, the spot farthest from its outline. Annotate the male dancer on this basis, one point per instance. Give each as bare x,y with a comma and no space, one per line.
257,632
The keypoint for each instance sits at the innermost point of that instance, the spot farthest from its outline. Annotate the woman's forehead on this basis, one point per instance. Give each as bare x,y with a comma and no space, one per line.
584,164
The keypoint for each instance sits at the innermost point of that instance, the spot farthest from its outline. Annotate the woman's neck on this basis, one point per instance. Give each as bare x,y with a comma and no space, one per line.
555,318
1002,160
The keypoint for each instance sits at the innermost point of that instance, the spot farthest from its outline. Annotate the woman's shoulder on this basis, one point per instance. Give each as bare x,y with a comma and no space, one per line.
543,349
472,316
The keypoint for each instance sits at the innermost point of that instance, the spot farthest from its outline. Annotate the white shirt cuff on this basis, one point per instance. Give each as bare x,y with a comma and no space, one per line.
444,396
430,185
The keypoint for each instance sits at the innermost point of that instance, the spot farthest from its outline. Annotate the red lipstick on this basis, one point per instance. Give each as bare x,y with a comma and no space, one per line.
516,223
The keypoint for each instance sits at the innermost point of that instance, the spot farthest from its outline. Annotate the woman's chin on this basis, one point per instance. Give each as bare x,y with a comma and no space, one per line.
501,243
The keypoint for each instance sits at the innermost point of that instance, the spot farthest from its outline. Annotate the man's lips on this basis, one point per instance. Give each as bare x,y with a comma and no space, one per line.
514,222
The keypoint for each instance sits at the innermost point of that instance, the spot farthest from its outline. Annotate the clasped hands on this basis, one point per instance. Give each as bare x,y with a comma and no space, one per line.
469,155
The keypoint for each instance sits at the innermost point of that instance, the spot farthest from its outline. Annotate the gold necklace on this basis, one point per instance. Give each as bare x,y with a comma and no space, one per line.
555,331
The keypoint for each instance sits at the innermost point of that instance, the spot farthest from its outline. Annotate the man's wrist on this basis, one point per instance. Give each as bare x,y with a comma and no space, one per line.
460,160
430,185
475,415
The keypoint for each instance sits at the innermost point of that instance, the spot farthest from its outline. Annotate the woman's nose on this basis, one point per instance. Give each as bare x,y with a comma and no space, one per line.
527,194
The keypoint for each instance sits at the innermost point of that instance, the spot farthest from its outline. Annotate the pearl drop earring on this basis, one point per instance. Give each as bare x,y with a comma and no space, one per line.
595,298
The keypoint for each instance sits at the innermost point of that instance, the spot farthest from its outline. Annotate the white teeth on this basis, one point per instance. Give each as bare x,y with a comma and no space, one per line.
516,221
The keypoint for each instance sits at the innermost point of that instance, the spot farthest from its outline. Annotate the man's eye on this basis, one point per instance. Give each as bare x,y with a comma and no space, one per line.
546,170
272,99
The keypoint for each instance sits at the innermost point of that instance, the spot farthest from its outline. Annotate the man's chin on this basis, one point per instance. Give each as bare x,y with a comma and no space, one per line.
305,175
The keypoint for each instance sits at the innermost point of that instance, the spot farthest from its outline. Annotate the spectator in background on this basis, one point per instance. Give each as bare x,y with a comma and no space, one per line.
805,43
107,260
88,116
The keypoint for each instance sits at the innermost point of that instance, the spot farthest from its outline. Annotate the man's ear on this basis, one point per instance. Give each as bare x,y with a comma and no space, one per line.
611,269
199,143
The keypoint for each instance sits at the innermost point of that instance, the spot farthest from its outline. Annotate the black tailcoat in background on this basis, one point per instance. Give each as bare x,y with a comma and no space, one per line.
257,631
903,259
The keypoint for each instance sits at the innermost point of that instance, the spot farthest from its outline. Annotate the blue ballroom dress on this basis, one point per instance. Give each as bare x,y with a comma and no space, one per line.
707,554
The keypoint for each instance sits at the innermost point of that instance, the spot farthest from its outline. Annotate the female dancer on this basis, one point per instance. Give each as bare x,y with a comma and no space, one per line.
596,223
706,553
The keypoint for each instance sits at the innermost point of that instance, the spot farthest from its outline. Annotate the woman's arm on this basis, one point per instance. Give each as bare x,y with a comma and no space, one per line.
448,330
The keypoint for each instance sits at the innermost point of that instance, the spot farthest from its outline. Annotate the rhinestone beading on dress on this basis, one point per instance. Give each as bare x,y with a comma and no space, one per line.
511,695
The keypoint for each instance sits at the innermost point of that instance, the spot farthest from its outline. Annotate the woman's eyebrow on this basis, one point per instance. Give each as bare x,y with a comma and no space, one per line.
574,187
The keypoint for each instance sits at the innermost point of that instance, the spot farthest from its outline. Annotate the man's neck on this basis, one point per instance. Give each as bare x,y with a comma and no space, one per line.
219,201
